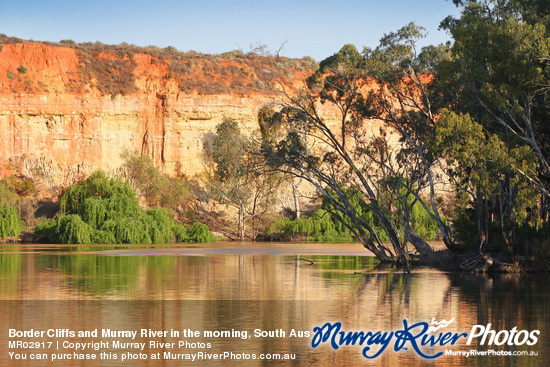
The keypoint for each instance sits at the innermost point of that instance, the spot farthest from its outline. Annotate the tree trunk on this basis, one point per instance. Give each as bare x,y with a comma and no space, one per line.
242,214
419,244
507,215
380,253
254,224
481,235
296,200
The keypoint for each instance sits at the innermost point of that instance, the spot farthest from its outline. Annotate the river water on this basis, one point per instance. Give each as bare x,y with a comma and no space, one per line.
260,301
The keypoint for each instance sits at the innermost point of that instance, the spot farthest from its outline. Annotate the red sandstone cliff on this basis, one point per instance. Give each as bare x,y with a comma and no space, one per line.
66,111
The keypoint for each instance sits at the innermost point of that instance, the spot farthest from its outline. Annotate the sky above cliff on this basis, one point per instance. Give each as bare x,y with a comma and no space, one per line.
305,28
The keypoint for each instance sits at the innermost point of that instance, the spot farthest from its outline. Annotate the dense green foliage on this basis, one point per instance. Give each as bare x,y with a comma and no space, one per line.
471,114
106,210
10,220
318,227
496,139
322,226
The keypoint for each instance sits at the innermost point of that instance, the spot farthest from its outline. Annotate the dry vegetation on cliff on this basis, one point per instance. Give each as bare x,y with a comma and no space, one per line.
127,69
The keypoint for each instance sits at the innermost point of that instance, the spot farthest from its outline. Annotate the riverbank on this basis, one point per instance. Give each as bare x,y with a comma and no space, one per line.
474,262
441,259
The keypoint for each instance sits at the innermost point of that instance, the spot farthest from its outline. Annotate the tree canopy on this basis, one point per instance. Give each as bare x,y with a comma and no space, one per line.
469,116
106,210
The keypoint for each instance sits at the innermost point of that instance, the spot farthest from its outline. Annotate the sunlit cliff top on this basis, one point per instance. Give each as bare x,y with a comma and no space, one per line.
29,67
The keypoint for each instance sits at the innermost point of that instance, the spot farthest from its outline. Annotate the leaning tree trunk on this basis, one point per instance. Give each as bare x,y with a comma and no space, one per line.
378,251
421,246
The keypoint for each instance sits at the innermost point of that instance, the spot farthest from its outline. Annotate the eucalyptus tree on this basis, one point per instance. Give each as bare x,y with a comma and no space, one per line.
269,122
501,63
238,180
500,73
407,100
231,175
485,168
392,86
331,169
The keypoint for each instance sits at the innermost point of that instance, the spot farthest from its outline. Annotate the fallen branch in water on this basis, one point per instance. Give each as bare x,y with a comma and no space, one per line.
310,262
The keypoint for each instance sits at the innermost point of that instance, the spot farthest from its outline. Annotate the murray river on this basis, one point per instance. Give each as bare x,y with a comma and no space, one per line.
257,304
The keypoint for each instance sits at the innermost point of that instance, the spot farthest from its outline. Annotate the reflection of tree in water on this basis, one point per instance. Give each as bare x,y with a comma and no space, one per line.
383,298
385,289
11,267
244,292
101,275
506,300
10,260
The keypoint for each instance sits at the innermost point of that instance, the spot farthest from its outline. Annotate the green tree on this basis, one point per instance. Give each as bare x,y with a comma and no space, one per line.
270,123
501,65
106,210
231,181
10,220
395,85
499,76
337,167
486,168
238,179
406,101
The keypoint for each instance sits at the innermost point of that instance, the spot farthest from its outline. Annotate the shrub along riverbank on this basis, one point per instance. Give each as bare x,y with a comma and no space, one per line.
101,210
106,210
10,220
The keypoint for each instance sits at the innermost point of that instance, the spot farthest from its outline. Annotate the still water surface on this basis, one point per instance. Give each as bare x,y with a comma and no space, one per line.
270,287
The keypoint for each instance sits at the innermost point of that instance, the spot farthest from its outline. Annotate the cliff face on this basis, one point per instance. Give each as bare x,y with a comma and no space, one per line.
65,111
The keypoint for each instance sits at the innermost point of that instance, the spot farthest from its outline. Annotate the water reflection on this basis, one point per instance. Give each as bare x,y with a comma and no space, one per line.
96,273
131,288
